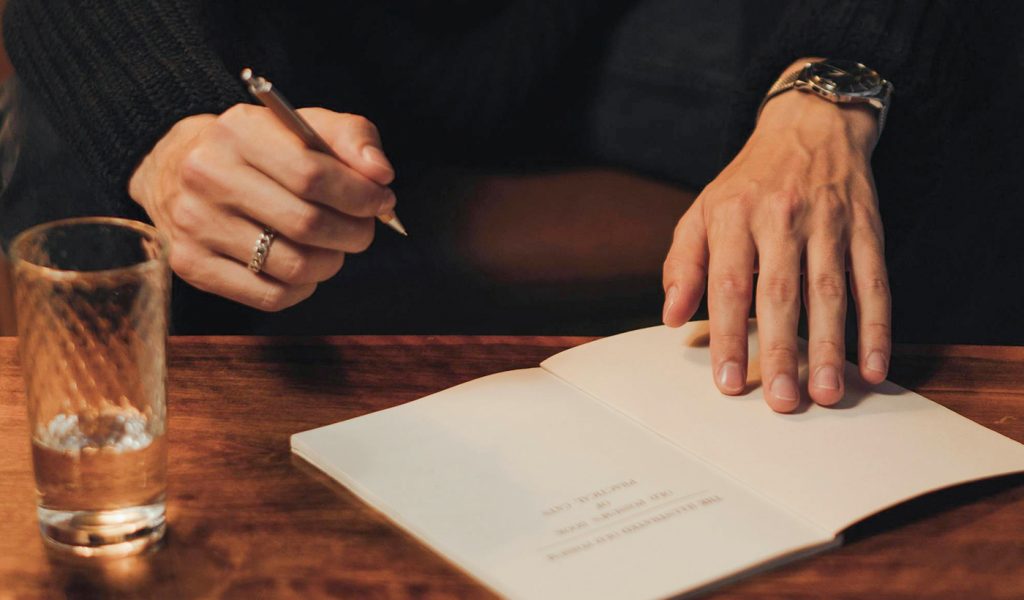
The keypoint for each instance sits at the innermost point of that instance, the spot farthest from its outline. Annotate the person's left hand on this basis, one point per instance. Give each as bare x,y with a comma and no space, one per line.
800,194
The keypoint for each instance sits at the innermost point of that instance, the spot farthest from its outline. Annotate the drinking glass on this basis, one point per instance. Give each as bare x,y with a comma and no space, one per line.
91,296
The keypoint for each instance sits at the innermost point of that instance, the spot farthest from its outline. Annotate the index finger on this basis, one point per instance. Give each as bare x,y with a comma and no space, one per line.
685,271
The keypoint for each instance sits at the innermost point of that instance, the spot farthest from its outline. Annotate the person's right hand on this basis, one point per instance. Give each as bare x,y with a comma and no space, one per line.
214,181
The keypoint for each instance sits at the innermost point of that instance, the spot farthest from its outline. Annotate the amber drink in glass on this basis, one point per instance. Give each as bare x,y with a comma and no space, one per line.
92,297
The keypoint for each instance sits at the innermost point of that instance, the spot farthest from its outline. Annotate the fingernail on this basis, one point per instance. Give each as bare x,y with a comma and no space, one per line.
373,155
876,362
784,388
730,376
827,377
670,298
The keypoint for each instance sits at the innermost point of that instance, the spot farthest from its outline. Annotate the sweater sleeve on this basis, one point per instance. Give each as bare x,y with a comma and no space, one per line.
114,75
915,44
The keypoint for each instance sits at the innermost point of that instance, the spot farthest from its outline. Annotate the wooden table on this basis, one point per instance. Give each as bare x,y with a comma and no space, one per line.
247,520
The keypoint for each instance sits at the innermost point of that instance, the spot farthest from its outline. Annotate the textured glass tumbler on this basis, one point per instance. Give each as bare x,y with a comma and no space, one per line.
92,298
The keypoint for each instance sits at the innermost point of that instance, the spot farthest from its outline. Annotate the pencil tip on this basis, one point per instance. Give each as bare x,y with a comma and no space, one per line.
395,224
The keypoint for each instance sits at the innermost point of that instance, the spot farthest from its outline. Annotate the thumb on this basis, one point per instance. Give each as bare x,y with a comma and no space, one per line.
685,272
355,140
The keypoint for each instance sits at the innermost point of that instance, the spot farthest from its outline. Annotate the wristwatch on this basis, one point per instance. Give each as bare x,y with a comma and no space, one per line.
840,81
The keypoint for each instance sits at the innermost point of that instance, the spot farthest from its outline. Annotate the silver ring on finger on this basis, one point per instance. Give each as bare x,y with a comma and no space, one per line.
261,249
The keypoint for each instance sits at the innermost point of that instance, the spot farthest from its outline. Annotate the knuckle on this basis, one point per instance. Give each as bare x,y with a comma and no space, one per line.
298,269
751,191
733,287
730,345
273,299
196,170
831,207
306,223
777,290
786,208
678,268
828,287
731,205
877,285
829,348
781,354
310,177
363,234
876,330
237,114
672,267
185,214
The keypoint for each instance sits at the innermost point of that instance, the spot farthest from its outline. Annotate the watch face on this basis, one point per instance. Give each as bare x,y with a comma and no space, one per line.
844,77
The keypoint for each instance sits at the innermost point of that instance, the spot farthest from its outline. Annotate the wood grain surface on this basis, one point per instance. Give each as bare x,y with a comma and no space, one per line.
248,520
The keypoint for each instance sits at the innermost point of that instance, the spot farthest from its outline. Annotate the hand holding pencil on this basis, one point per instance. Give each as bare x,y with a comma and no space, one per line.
266,93
256,215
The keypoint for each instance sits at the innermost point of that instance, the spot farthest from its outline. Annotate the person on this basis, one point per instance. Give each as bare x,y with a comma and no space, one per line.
148,98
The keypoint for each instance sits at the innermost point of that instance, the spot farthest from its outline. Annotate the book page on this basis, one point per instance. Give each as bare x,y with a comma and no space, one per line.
835,466
542,492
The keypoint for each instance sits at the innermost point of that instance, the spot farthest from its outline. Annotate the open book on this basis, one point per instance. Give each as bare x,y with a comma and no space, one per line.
617,469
